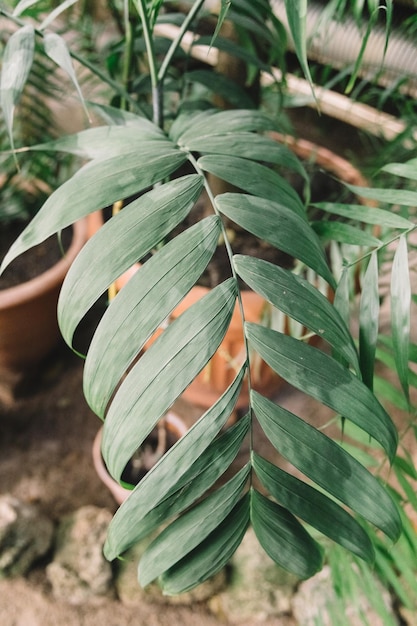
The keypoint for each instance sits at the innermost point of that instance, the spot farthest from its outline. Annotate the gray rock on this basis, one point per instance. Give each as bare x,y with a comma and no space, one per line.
25,535
79,572
259,591
316,602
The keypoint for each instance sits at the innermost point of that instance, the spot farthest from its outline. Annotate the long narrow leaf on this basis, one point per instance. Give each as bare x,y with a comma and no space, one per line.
327,464
139,515
297,298
95,186
297,19
279,226
17,62
57,50
211,555
130,234
322,377
366,214
283,538
143,305
369,321
401,311
314,508
191,529
253,178
163,372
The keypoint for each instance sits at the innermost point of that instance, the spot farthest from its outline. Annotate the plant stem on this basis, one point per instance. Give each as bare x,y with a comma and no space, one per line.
177,41
381,247
157,99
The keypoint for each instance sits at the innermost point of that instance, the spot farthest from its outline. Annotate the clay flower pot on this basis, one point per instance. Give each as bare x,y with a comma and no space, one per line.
174,426
28,321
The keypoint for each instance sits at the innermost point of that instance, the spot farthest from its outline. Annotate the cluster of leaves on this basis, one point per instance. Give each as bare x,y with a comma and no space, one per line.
206,510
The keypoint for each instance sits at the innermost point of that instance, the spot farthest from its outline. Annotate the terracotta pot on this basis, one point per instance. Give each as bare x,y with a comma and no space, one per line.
28,322
174,425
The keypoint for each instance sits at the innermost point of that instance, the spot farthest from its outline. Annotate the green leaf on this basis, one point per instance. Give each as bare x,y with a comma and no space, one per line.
322,377
405,170
22,6
344,233
369,321
129,236
56,13
403,197
401,311
147,507
17,62
142,305
366,214
300,300
328,465
283,538
224,9
105,142
314,508
211,555
57,50
297,19
163,372
222,86
277,225
253,178
191,529
94,186
223,122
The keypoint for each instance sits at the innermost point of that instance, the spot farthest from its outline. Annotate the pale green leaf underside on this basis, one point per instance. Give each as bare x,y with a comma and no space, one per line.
191,529
163,372
130,235
326,380
405,170
279,226
142,512
283,538
327,464
314,507
300,300
142,305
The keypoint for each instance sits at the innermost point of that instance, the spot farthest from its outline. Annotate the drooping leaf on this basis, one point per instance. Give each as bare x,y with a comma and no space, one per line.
323,378
56,13
163,372
130,234
57,50
142,512
224,9
314,507
96,185
369,320
406,170
191,529
403,197
299,299
17,62
253,178
297,20
211,555
279,226
401,311
222,86
328,465
283,538
142,306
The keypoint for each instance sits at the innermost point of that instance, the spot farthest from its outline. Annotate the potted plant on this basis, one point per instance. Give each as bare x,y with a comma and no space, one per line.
165,163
